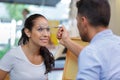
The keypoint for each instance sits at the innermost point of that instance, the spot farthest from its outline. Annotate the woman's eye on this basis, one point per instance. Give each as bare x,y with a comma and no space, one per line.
40,29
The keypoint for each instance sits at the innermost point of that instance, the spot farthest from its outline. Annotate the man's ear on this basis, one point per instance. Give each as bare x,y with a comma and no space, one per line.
27,32
84,21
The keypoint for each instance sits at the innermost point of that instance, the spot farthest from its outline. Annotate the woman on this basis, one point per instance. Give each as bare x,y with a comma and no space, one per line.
31,60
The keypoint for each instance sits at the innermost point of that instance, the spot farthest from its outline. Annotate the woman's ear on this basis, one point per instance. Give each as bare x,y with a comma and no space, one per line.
27,32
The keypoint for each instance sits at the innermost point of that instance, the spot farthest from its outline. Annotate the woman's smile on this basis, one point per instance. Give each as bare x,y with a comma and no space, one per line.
44,40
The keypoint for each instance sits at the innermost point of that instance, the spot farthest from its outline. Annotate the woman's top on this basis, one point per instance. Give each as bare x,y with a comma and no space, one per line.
20,68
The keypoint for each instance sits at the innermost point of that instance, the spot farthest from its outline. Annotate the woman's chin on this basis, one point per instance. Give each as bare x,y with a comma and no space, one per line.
45,44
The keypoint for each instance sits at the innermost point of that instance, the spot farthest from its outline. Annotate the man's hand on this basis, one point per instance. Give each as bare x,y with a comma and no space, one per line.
62,35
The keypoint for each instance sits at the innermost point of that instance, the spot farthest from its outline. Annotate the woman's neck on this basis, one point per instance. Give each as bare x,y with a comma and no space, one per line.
31,49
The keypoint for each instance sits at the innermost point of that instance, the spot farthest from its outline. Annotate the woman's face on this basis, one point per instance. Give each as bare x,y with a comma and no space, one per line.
40,33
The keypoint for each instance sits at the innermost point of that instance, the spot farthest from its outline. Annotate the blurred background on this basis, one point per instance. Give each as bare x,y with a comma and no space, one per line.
14,12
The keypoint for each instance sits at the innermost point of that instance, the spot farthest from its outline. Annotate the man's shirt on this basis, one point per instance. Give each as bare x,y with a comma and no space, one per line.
100,60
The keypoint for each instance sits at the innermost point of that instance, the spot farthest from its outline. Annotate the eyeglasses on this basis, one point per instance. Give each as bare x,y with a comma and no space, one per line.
42,29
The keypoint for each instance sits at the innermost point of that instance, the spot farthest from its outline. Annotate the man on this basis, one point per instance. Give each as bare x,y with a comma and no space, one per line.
100,59
25,13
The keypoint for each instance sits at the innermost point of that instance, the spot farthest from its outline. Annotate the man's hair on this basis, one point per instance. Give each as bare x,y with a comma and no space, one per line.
96,11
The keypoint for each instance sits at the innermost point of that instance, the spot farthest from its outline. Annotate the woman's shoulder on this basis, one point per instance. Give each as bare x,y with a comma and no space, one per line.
13,51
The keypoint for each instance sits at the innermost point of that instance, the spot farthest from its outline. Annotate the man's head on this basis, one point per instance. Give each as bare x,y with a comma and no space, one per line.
95,12
25,12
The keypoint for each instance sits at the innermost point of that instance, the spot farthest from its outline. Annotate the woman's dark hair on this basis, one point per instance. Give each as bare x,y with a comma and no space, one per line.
96,11
44,52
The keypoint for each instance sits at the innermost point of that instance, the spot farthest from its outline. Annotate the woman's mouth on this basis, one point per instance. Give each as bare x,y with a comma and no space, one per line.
44,40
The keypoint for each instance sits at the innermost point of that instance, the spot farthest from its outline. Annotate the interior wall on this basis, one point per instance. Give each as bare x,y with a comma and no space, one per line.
115,16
